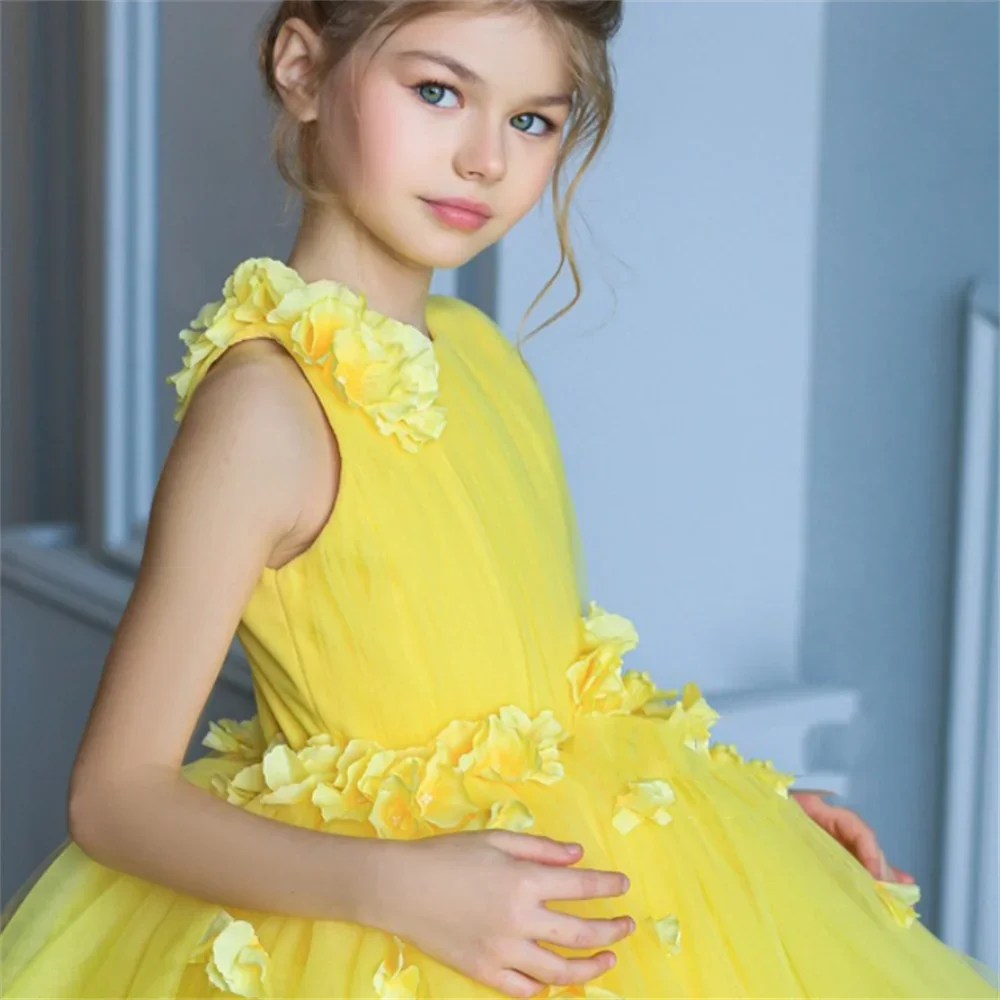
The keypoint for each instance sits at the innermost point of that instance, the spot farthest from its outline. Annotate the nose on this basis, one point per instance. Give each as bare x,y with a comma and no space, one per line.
482,153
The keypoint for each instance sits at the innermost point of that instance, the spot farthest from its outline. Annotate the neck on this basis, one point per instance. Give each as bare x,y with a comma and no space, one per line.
334,245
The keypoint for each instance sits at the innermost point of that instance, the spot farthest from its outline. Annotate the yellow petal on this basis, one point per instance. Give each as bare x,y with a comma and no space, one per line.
725,752
237,739
586,991
236,960
456,739
286,776
336,804
511,814
376,767
511,747
257,286
900,898
691,717
442,796
597,684
395,812
394,982
247,784
601,627
668,931
766,772
639,689
646,799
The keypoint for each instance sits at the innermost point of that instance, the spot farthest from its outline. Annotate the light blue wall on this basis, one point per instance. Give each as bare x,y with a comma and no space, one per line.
907,216
679,383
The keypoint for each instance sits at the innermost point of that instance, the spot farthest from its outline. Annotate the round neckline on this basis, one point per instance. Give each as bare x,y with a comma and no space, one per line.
433,336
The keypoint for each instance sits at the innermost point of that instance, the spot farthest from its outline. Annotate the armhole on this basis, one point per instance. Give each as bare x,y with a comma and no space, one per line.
333,517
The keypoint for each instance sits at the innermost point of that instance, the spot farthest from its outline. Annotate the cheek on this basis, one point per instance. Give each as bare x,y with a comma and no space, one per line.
533,174
368,143
392,141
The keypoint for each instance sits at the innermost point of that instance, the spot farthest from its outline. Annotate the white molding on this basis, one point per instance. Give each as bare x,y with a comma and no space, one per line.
129,325
969,903
45,562
776,724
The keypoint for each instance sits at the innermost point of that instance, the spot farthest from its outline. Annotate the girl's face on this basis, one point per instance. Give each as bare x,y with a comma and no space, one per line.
454,106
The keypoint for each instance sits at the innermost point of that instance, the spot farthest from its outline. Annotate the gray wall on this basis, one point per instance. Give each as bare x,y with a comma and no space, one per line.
41,233
907,214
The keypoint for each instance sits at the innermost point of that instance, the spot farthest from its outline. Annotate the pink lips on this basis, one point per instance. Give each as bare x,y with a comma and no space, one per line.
460,212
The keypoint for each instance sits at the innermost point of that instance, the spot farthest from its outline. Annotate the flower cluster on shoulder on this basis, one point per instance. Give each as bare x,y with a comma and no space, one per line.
386,368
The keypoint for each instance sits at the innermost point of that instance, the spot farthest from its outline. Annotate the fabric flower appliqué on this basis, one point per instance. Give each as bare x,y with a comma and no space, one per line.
585,991
766,772
249,294
387,368
647,799
668,932
241,740
513,747
900,898
235,960
417,791
596,679
394,981
690,716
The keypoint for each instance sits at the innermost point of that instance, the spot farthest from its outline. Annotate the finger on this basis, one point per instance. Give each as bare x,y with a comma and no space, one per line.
564,929
515,984
548,967
583,883
898,875
868,852
815,792
533,847
860,840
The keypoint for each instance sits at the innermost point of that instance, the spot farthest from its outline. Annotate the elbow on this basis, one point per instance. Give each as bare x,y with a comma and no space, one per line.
102,813
79,817
90,818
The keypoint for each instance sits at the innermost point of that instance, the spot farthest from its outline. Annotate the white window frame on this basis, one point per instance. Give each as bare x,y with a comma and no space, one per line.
119,495
969,854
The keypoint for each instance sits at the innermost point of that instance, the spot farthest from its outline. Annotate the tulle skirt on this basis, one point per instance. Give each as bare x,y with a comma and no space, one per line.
735,892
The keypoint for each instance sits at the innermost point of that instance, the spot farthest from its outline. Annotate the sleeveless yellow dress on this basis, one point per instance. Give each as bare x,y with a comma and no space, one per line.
430,665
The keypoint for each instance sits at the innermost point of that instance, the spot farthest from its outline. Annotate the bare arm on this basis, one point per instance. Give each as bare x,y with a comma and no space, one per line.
239,480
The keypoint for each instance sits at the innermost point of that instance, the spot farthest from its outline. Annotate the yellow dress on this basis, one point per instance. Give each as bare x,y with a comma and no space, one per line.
429,665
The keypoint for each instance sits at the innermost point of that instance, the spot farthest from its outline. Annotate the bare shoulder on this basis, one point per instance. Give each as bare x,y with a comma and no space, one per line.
295,440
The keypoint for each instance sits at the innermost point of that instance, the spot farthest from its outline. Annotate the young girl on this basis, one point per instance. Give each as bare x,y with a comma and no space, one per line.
452,787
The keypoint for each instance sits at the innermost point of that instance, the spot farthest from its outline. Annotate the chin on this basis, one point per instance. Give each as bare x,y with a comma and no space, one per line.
445,253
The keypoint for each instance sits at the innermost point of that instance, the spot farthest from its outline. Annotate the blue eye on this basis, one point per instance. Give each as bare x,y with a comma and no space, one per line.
433,93
547,126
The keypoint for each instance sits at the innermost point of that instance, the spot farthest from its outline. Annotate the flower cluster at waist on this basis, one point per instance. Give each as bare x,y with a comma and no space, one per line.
467,776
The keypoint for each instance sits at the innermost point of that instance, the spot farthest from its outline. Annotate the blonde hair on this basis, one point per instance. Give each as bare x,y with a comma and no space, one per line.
584,27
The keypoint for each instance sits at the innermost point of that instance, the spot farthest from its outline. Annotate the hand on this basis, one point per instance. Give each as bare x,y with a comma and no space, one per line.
475,900
850,830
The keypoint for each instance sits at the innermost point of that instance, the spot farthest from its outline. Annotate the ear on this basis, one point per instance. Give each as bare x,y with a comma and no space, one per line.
297,57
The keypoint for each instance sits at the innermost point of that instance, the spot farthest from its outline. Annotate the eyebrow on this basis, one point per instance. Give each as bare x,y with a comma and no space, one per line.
470,76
